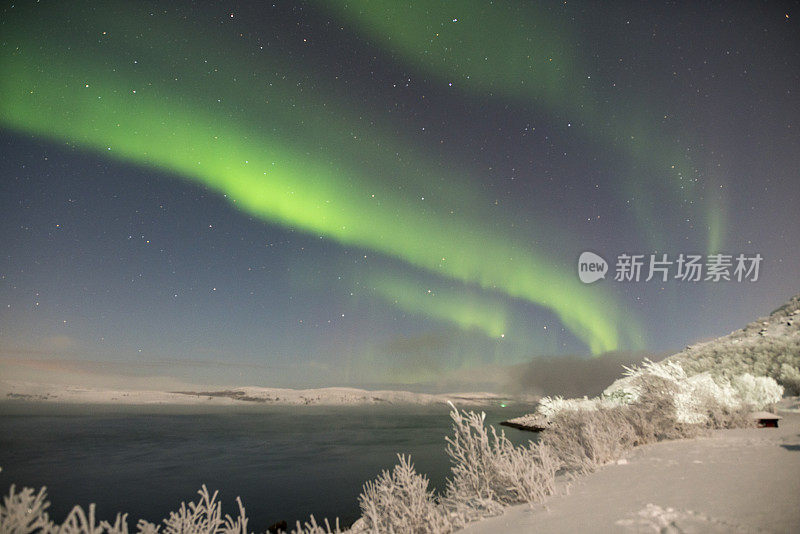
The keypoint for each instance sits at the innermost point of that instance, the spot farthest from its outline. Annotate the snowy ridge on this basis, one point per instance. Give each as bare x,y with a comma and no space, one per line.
342,396
761,348
334,396
752,366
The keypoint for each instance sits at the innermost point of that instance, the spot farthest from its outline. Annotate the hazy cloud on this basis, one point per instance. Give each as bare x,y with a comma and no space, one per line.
572,376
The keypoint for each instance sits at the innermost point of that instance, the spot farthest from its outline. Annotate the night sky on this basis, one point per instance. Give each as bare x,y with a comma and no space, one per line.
382,192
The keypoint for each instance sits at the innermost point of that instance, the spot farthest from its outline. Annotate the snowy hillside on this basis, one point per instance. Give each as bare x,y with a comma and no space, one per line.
769,346
751,367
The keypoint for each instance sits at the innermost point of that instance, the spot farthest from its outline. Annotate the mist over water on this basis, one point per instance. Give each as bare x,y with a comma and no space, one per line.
573,376
284,462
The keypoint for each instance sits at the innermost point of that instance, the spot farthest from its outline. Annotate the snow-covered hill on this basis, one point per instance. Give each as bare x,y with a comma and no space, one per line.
733,370
337,396
769,346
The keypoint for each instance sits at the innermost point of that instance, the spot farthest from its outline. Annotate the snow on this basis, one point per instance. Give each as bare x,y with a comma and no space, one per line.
17,391
742,480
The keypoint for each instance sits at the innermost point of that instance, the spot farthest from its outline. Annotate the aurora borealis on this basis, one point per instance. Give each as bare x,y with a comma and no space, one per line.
306,187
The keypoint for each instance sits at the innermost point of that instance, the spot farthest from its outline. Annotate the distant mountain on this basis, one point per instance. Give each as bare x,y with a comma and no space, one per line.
16,391
343,396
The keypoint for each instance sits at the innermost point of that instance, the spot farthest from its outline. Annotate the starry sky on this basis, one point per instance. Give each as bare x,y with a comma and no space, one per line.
381,192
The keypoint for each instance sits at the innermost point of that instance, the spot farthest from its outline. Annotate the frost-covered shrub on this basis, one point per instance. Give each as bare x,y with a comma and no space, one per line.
654,415
725,417
80,522
25,511
789,378
399,501
585,439
205,515
696,396
708,390
312,527
667,369
627,389
551,406
665,379
652,403
757,391
489,472
664,401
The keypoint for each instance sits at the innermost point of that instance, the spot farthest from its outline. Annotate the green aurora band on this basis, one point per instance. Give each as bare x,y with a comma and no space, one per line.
518,51
95,96
466,311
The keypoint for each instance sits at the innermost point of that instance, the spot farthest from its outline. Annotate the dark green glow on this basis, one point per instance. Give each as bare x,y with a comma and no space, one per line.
510,49
153,104
468,310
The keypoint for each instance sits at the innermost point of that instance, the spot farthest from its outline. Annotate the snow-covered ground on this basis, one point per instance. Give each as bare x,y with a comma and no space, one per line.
16,391
744,480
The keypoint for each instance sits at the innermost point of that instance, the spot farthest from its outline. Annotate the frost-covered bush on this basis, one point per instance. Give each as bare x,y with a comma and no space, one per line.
25,511
312,527
789,378
585,439
489,472
654,415
80,522
204,516
668,380
627,390
757,391
654,402
724,417
696,396
706,389
551,406
399,501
